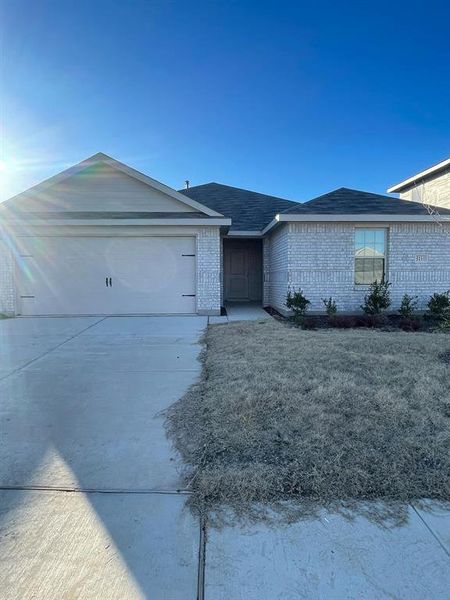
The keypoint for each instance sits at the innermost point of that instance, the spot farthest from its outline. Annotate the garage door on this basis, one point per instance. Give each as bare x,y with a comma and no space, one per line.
100,275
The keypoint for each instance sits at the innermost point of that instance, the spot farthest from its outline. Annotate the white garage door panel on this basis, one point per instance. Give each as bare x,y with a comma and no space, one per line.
60,275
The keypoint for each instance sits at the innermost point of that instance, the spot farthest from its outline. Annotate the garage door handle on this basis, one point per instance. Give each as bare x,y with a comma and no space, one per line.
106,281
110,282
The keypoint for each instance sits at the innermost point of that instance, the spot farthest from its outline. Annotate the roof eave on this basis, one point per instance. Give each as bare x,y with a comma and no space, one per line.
274,223
244,233
352,218
411,181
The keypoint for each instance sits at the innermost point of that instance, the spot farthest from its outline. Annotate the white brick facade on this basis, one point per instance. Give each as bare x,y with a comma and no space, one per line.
221,273
316,257
418,260
277,276
209,271
319,259
7,290
266,271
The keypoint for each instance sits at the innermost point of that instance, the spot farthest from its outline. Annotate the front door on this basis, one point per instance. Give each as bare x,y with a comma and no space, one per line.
242,270
237,274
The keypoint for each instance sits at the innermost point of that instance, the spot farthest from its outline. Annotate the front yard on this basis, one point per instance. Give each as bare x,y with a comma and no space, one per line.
286,414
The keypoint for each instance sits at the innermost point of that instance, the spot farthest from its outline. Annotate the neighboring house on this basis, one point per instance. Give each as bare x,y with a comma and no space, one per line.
102,238
432,185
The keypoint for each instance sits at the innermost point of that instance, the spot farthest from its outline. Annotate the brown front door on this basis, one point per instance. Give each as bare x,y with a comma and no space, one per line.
242,270
237,274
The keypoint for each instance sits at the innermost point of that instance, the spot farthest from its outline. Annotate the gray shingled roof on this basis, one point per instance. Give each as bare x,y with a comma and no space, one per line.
347,201
249,211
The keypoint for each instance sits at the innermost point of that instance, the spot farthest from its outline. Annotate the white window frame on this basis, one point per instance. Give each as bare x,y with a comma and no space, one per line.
385,257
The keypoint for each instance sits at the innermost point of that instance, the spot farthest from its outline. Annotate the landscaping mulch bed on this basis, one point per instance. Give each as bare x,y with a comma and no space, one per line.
386,322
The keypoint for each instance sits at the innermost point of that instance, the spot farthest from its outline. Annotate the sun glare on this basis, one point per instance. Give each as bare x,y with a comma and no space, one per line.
7,178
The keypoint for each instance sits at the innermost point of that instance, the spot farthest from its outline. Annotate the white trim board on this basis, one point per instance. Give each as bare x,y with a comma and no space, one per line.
120,222
346,218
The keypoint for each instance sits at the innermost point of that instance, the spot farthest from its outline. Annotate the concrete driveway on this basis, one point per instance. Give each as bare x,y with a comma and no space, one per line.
80,409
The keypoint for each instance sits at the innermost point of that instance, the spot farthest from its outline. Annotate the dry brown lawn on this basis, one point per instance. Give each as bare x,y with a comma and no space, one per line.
283,414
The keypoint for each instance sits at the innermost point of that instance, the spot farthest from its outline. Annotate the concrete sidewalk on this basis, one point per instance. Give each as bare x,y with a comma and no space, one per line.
332,558
241,311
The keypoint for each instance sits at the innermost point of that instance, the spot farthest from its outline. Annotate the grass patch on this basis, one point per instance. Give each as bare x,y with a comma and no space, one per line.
283,414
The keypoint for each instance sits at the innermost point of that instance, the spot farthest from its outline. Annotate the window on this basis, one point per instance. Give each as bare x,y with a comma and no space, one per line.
370,255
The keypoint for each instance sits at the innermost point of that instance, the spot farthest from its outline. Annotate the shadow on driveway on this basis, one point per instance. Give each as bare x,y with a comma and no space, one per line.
86,414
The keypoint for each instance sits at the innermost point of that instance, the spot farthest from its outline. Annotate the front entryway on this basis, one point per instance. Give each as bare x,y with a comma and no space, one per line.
242,270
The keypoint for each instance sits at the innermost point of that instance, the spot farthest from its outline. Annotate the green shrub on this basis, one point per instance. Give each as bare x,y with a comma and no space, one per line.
408,306
330,306
439,305
378,299
444,323
298,303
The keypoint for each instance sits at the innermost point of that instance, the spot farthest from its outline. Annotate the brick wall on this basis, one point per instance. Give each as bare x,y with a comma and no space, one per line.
222,281
7,290
321,262
317,257
418,260
266,271
276,277
208,271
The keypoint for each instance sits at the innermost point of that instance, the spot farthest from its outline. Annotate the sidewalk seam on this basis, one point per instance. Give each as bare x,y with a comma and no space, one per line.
431,531
201,560
78,490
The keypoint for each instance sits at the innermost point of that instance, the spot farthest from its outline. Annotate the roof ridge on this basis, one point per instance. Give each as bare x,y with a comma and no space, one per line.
353,190
232,187
348,200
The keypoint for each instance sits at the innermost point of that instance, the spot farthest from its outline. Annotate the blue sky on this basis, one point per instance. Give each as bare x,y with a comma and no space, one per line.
289,98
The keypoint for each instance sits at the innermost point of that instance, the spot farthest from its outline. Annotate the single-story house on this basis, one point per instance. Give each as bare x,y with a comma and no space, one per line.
103,238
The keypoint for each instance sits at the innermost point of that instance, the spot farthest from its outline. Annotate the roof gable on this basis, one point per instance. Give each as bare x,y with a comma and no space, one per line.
100,183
